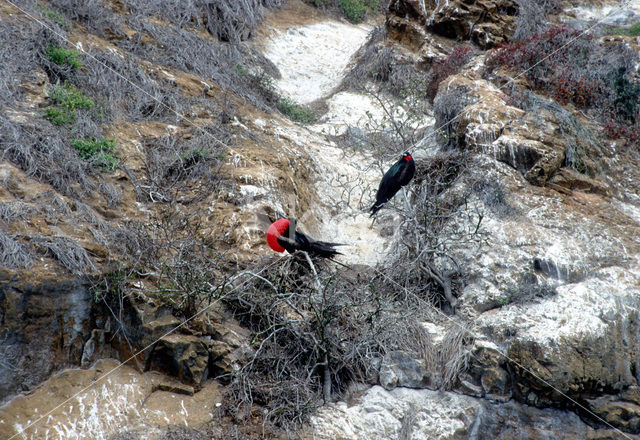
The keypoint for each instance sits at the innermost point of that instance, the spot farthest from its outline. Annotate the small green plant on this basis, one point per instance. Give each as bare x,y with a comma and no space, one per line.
194,155
63,57
57,117
631,31
67,99
295,111
355,10
240,69
70,98
100,152
53,16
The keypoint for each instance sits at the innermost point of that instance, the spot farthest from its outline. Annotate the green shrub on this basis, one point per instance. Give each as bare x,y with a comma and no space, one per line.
355,10
53,16
631,31
295,111
63,57
67,99
100,152
57,117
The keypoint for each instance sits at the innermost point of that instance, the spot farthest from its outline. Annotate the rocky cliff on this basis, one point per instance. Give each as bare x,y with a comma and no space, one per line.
147,147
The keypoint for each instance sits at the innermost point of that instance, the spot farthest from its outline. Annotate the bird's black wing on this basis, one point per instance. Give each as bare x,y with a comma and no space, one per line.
323,249
390,183
389,186
290,245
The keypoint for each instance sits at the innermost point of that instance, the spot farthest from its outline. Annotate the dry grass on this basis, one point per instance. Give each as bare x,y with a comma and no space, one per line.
533,16
66,251
14,254
45,155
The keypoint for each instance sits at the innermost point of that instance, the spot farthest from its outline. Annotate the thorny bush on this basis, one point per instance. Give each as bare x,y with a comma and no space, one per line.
573,67
315,330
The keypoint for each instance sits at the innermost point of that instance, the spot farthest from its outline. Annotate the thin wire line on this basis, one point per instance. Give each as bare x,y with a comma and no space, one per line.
43,24
180,116
134,356
223,144
468,331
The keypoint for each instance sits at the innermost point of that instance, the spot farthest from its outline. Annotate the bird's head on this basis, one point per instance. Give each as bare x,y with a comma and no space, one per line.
277,229
407,156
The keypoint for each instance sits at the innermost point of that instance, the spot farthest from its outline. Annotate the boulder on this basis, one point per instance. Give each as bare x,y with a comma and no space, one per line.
621,411
183,356
488,23
404,413
471,112
486,375
401,369
533,145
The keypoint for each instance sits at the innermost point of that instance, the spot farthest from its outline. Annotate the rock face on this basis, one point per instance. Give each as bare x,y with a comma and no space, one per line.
44,325
475,116
560,302
108,401
533,145
400,369
423,414
487,23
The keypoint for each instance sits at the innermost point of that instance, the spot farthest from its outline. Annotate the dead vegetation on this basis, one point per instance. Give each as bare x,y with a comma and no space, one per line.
316,330
13,254
378,63
45,155
67,252
184,169
533,17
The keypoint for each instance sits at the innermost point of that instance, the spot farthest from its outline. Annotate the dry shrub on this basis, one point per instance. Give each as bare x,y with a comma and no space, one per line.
315,331
533,16
44,154
419,258
19,59
184,169
376,62
124,91
66,251
229,20
98,15
443,68
572,67
14,211
14,254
